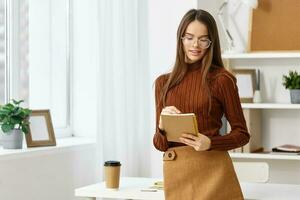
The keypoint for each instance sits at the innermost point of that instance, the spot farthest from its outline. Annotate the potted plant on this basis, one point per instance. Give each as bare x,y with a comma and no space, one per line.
292,82
13,121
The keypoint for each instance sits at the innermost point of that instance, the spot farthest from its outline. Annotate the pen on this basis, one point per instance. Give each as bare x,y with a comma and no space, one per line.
148,190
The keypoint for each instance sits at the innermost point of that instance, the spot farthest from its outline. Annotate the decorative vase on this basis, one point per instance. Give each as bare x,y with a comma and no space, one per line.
12,139
257,97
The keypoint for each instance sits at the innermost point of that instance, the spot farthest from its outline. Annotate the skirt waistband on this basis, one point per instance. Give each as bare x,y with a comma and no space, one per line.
174,153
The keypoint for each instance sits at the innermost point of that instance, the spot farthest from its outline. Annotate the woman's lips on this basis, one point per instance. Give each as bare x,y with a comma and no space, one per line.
195,52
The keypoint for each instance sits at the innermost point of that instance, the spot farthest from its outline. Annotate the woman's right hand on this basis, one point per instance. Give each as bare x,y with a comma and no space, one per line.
167,110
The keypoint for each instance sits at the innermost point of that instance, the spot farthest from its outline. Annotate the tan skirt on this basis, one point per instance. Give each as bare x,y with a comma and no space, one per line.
193,175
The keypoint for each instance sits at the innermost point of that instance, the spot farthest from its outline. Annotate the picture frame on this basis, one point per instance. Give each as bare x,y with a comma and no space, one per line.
246,82
41,132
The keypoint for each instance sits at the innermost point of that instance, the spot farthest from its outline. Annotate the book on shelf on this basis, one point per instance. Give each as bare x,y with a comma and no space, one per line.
286,149
284,153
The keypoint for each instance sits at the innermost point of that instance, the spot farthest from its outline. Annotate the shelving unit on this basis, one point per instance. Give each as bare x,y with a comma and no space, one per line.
277,124
261,55
264,155
270,106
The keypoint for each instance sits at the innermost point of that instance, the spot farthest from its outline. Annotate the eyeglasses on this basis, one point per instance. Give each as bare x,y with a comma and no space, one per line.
203,43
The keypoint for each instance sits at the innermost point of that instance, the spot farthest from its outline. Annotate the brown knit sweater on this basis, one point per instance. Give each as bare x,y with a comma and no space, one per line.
224,100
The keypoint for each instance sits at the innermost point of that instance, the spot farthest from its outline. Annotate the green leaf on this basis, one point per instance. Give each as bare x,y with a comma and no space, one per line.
25,129
6,120
4,112
9,106
15,121
17,102
292,80
6,128
26,112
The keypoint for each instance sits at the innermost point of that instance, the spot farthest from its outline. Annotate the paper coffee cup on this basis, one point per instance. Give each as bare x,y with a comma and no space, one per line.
112,174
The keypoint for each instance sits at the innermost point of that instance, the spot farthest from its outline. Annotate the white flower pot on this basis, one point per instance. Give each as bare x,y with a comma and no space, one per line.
12,139
295,95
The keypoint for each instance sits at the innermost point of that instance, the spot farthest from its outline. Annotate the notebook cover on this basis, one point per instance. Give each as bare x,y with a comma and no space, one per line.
287,148
176,124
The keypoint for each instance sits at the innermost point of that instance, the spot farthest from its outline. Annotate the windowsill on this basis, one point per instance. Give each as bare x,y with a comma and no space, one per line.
62,144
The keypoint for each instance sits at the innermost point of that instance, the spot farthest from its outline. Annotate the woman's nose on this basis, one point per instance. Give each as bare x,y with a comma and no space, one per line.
195,43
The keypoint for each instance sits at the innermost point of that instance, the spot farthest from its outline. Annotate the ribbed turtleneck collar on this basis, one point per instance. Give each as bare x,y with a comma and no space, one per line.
195,66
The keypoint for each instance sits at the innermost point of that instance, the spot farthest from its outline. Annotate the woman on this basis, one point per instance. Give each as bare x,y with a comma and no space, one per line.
200,167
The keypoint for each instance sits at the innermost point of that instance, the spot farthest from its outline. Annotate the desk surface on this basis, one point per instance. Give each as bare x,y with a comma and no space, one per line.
130,188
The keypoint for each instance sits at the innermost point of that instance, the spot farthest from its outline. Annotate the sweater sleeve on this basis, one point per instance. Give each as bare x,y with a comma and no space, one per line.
159,139
228,95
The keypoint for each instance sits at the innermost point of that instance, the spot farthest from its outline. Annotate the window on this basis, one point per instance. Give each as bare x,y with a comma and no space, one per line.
39,55
2,51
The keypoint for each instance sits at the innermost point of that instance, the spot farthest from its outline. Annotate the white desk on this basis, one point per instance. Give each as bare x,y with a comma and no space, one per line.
130,188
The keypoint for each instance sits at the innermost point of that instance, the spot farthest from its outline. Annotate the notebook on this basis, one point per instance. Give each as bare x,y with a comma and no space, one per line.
176,124
287,148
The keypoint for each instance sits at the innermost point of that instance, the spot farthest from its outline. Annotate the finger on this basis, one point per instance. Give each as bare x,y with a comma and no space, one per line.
175,109
188,135
166,109
188,141
189,144
169,111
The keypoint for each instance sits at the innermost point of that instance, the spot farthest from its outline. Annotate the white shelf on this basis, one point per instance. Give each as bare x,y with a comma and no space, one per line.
294,54
264,156
62,144
270,106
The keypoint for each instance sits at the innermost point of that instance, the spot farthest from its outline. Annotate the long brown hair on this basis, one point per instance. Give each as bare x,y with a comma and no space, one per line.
212,57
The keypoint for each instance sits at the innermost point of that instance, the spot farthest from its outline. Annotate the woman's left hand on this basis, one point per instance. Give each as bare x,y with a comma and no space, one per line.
199,143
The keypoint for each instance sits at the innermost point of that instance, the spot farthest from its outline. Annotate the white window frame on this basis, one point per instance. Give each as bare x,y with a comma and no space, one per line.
12,72
7,15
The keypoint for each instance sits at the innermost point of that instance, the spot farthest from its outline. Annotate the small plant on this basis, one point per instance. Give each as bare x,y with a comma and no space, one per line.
292,80
12,116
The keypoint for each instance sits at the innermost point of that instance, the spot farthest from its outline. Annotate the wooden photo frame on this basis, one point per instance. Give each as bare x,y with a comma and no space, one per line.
41,132
246,82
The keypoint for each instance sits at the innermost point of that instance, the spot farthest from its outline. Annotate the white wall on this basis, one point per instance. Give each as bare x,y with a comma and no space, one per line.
47,176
